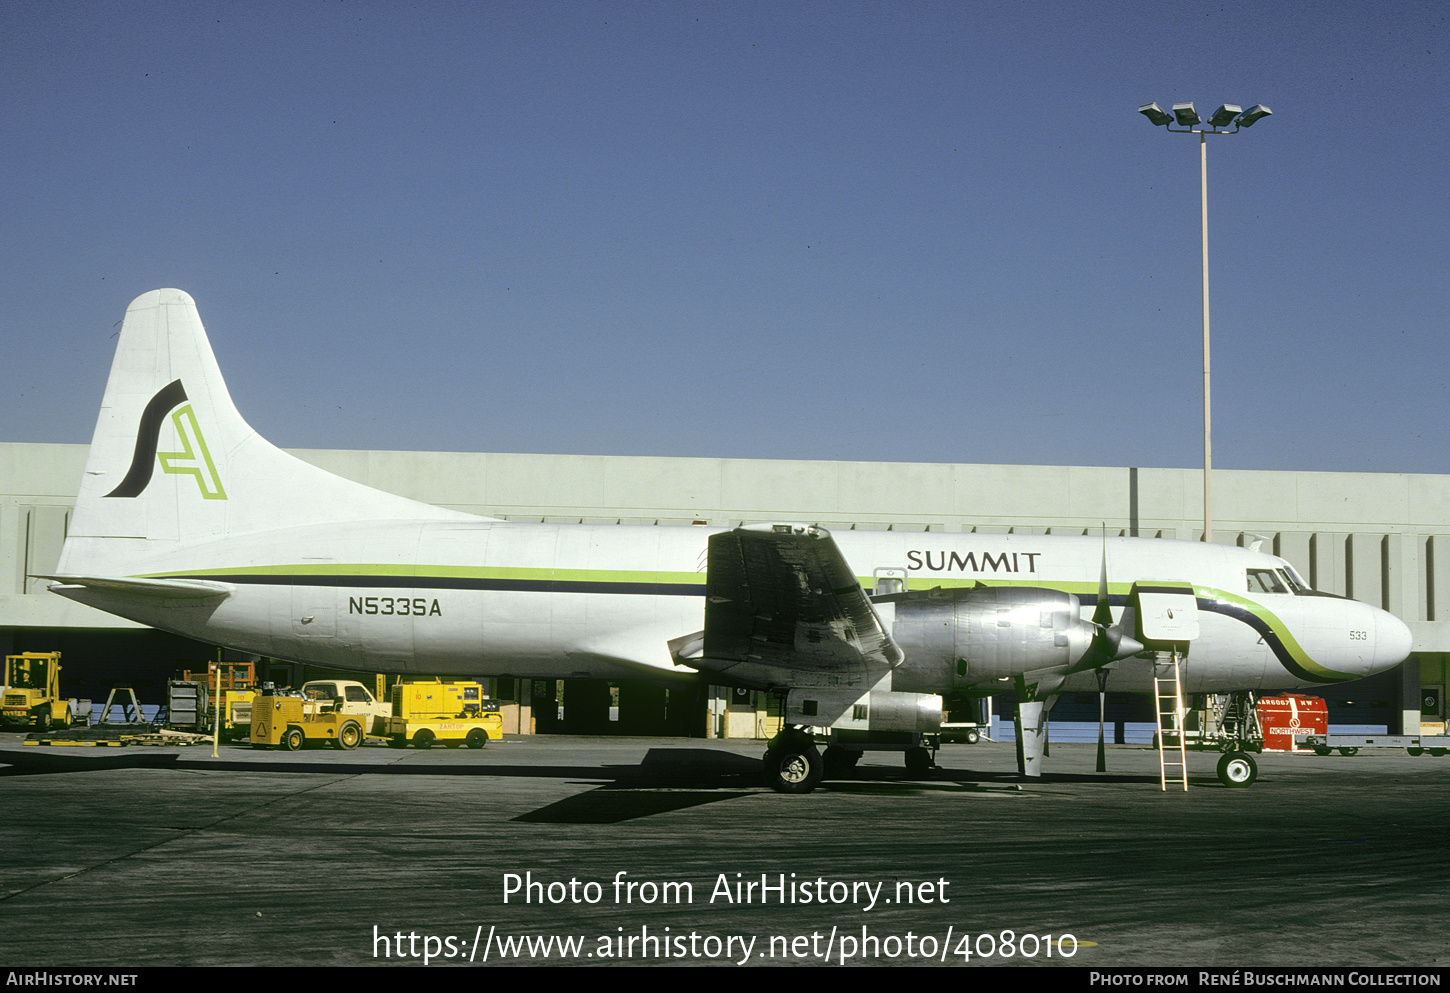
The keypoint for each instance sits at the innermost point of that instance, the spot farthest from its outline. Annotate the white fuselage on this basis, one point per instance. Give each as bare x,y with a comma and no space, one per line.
546,600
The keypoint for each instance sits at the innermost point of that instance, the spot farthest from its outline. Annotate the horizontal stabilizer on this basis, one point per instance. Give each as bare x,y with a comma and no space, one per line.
169,588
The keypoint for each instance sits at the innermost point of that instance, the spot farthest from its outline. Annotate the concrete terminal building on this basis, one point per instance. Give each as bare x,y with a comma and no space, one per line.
1380,538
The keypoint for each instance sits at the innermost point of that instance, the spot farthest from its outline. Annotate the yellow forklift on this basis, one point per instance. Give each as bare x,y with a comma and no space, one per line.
31,696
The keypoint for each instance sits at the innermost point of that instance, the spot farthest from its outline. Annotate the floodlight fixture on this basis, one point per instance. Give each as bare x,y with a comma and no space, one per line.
1186,115
1155,114
1224,116
1254,113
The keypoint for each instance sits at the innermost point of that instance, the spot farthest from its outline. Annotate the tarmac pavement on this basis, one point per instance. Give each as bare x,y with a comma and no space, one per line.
669,851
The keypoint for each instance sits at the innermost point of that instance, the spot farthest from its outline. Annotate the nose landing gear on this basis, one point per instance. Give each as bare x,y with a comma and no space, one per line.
1237,769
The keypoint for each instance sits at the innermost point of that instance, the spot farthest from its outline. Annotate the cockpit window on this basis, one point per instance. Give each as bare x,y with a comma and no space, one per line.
1294,585
1266,581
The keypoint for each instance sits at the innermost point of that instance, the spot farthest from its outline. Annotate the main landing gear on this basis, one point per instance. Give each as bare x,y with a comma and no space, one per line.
792,764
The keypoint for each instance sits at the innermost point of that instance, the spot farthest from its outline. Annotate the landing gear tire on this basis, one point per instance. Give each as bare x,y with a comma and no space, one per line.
292,739
1237,770
919,761
792,769
477,738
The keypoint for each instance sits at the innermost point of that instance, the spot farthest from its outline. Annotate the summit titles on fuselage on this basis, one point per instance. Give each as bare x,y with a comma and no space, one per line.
955,562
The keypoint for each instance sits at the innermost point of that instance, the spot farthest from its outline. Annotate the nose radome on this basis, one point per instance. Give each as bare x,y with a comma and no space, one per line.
1392,641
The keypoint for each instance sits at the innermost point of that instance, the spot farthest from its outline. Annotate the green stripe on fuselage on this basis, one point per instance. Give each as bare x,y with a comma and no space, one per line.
383,570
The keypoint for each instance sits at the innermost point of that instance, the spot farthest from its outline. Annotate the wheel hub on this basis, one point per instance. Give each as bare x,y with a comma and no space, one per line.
794,769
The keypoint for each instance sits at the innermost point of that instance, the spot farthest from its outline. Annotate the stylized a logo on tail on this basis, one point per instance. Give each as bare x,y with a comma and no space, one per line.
194,458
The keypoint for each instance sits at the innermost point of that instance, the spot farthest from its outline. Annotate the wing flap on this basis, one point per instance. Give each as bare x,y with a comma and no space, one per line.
782,599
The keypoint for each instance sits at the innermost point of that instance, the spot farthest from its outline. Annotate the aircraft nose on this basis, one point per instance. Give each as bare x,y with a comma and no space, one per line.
1392,641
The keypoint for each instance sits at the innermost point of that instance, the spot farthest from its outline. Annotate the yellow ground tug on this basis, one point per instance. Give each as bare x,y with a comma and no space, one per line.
291,720
31,696
450,714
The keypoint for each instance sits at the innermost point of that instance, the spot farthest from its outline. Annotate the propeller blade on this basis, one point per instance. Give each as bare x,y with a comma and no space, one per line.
1110,641
1103,612
1102,748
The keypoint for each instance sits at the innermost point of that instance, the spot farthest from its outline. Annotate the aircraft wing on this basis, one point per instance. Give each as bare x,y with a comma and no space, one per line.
784,608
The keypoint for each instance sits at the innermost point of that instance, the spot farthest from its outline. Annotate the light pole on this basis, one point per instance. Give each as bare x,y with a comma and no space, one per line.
1187,118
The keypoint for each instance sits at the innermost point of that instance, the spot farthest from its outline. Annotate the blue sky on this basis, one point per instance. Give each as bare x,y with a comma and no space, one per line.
934,232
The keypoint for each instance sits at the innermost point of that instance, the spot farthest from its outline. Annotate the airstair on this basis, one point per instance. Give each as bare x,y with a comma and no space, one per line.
1170,712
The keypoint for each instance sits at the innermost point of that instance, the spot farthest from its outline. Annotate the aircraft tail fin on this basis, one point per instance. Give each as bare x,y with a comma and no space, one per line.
172,462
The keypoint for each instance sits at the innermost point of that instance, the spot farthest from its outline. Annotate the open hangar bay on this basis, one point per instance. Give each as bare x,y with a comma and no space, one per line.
359,858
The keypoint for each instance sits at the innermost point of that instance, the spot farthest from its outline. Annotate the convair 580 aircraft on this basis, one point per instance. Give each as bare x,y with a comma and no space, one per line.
190,522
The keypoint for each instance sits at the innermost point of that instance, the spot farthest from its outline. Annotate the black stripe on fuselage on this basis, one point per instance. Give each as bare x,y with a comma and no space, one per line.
460,583
1245,616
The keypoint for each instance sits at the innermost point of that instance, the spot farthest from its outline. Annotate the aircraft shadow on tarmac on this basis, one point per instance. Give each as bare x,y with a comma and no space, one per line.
667,779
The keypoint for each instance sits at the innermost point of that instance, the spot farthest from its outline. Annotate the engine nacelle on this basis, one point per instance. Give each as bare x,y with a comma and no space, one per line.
955,638
876,710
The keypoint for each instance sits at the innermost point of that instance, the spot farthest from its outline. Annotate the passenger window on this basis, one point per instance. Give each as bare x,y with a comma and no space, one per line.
356,694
